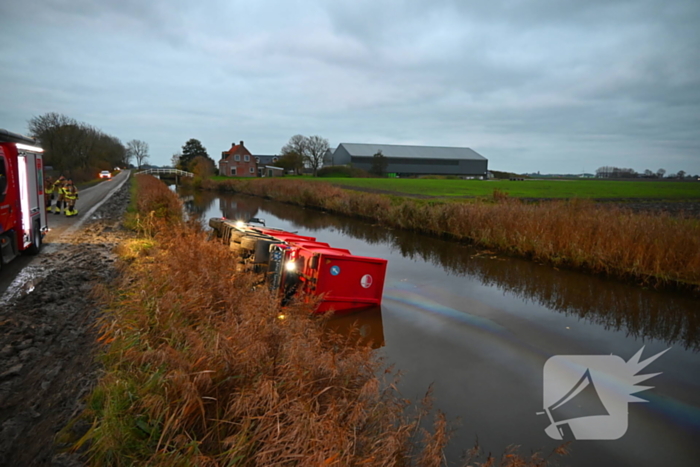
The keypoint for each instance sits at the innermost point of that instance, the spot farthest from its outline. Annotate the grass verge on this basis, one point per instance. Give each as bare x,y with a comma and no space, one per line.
653,249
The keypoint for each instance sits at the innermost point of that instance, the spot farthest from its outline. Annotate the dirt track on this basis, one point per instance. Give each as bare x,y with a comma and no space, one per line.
47,340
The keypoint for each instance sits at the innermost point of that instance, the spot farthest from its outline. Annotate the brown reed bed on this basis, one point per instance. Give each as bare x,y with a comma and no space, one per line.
202,367
652,249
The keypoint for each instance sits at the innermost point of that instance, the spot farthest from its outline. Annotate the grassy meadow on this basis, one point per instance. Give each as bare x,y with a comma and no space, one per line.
203,368
560,188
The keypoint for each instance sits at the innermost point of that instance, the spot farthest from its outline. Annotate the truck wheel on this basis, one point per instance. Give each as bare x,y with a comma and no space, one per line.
248,243
36,240
236,236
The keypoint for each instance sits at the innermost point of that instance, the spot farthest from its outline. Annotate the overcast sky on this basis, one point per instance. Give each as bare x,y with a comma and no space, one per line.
559,86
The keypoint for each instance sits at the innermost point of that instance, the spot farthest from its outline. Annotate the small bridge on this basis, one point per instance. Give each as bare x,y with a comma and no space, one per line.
167,173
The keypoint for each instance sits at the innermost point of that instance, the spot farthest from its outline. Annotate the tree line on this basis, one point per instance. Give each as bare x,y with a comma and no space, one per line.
617,172
80,150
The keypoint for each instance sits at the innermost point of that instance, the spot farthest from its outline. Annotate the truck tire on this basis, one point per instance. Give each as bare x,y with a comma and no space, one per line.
236,236
36,240
248,242
262,250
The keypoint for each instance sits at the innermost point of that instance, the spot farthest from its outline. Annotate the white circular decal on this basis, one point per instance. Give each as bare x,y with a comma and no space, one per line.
366,281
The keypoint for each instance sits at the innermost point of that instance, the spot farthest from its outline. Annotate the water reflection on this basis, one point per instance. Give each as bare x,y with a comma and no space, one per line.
668,317
196,203
365,324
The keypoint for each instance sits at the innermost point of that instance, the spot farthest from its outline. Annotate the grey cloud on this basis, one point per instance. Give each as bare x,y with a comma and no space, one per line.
528,81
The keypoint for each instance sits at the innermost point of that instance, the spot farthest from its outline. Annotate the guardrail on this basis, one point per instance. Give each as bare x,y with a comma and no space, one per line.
179,172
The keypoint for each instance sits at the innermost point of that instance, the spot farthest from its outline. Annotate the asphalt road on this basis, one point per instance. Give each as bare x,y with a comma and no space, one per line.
59,225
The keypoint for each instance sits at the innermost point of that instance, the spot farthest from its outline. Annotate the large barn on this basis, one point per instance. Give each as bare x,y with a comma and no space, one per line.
413,160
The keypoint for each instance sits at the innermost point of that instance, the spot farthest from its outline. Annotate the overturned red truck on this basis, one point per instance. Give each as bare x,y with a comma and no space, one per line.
295,263
22,207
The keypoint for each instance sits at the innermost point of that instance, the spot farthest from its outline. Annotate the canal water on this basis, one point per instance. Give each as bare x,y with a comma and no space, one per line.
511,347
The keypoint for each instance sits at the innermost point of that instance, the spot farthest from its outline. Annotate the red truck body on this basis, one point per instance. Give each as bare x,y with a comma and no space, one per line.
294,263
23,221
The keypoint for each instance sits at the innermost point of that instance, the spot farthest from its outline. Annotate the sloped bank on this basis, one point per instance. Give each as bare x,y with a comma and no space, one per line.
648,248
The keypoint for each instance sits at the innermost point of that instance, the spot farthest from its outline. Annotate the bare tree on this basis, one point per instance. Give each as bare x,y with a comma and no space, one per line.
316,148
660,173
75,148
295,152
138,150
681,174
175,159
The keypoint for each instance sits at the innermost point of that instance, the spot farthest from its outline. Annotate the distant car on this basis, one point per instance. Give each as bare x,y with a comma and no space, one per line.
106,174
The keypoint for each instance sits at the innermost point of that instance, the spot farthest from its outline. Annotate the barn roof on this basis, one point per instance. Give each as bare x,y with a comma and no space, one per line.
398,150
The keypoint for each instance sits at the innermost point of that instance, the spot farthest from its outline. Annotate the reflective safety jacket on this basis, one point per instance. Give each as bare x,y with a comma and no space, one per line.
71,192
58,186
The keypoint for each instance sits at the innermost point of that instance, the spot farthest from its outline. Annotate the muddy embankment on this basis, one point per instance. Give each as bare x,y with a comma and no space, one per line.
47,340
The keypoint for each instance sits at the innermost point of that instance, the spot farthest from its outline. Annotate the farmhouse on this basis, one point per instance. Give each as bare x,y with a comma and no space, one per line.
413,160
267,167
238,162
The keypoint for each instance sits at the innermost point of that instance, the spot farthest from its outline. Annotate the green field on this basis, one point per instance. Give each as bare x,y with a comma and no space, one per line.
564,188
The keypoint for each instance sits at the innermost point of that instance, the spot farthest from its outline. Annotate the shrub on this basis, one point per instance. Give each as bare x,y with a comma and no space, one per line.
341,171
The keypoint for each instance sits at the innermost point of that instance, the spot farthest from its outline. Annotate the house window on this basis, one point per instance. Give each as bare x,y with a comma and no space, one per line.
233,171
236,157
274,159
257,159
252,170
246,158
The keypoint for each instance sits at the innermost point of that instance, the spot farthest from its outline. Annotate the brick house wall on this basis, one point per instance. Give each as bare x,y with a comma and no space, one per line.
238,162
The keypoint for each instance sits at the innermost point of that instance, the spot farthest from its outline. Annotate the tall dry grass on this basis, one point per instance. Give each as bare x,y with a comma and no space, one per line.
153,205
655,249
203,368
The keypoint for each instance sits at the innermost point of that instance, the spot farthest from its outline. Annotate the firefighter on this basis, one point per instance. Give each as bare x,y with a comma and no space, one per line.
48,193
71,194
60,194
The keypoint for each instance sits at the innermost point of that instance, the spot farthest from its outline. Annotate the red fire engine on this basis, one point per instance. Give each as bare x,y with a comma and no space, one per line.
294,263
22,207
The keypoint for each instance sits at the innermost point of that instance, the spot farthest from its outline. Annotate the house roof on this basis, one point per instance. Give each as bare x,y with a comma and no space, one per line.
233,149
398,150
266,159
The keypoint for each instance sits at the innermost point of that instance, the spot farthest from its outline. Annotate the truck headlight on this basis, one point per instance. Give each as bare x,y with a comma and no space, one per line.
290,266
